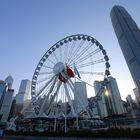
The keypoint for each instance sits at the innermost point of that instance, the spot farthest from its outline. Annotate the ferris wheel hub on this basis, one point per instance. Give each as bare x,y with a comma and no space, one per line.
58,68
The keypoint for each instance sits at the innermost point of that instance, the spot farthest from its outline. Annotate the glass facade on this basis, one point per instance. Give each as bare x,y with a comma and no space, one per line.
24,91
108,103
3,89
128,35
6,106
81,91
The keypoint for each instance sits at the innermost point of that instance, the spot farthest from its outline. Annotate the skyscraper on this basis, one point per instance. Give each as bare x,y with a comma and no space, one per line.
101,103
24,90
9,80
22,96
128,35
6,106
3,90
109,102
115,96
81,91
137,95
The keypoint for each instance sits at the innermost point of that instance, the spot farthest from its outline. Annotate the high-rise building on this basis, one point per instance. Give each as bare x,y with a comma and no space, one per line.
129,101
22,96
128,35
109,100
6,106
24,90
136,92
101,103
9,81
3,90
115,96
81,98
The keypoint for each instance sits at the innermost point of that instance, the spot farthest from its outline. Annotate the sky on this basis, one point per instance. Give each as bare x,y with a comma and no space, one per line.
28,28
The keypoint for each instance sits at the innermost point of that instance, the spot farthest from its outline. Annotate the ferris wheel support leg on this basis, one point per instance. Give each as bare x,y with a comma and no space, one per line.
46,99
81,104
69,99
55,94
38,94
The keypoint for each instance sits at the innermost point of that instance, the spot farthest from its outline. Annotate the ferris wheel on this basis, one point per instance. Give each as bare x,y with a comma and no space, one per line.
58,83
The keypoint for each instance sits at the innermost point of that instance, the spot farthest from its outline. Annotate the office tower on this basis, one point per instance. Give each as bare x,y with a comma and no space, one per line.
109,100
9,81
3,90
6,106
115,97
129,101
128,35
24,90
81,92
92,102
136,92
101,103
23,95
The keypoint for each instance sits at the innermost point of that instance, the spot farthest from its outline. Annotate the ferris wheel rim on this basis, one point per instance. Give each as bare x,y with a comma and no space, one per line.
55,46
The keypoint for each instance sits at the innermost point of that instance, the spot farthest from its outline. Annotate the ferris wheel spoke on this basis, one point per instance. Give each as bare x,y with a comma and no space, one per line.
51,61
71,50
69,99
54,95
90,63
60,53
55,57
46,73
46,84
91,73
82,52
42,94
77,50
77,97
65,52
46,67
70,92
50,91
84,82
79,60
43,79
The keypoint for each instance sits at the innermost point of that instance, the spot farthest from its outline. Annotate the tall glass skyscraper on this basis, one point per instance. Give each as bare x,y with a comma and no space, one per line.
24,90
6,106
9,81
22,96
128,35
3,90
81,91
110,102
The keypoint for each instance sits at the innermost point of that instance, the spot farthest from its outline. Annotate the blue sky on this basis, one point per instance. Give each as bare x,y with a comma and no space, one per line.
28,28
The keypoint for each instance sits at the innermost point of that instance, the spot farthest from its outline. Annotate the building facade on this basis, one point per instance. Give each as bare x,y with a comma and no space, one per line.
7,104
108,99
101,103
81,98
3,90
137,96
115,96
128,35
22,96
9,81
